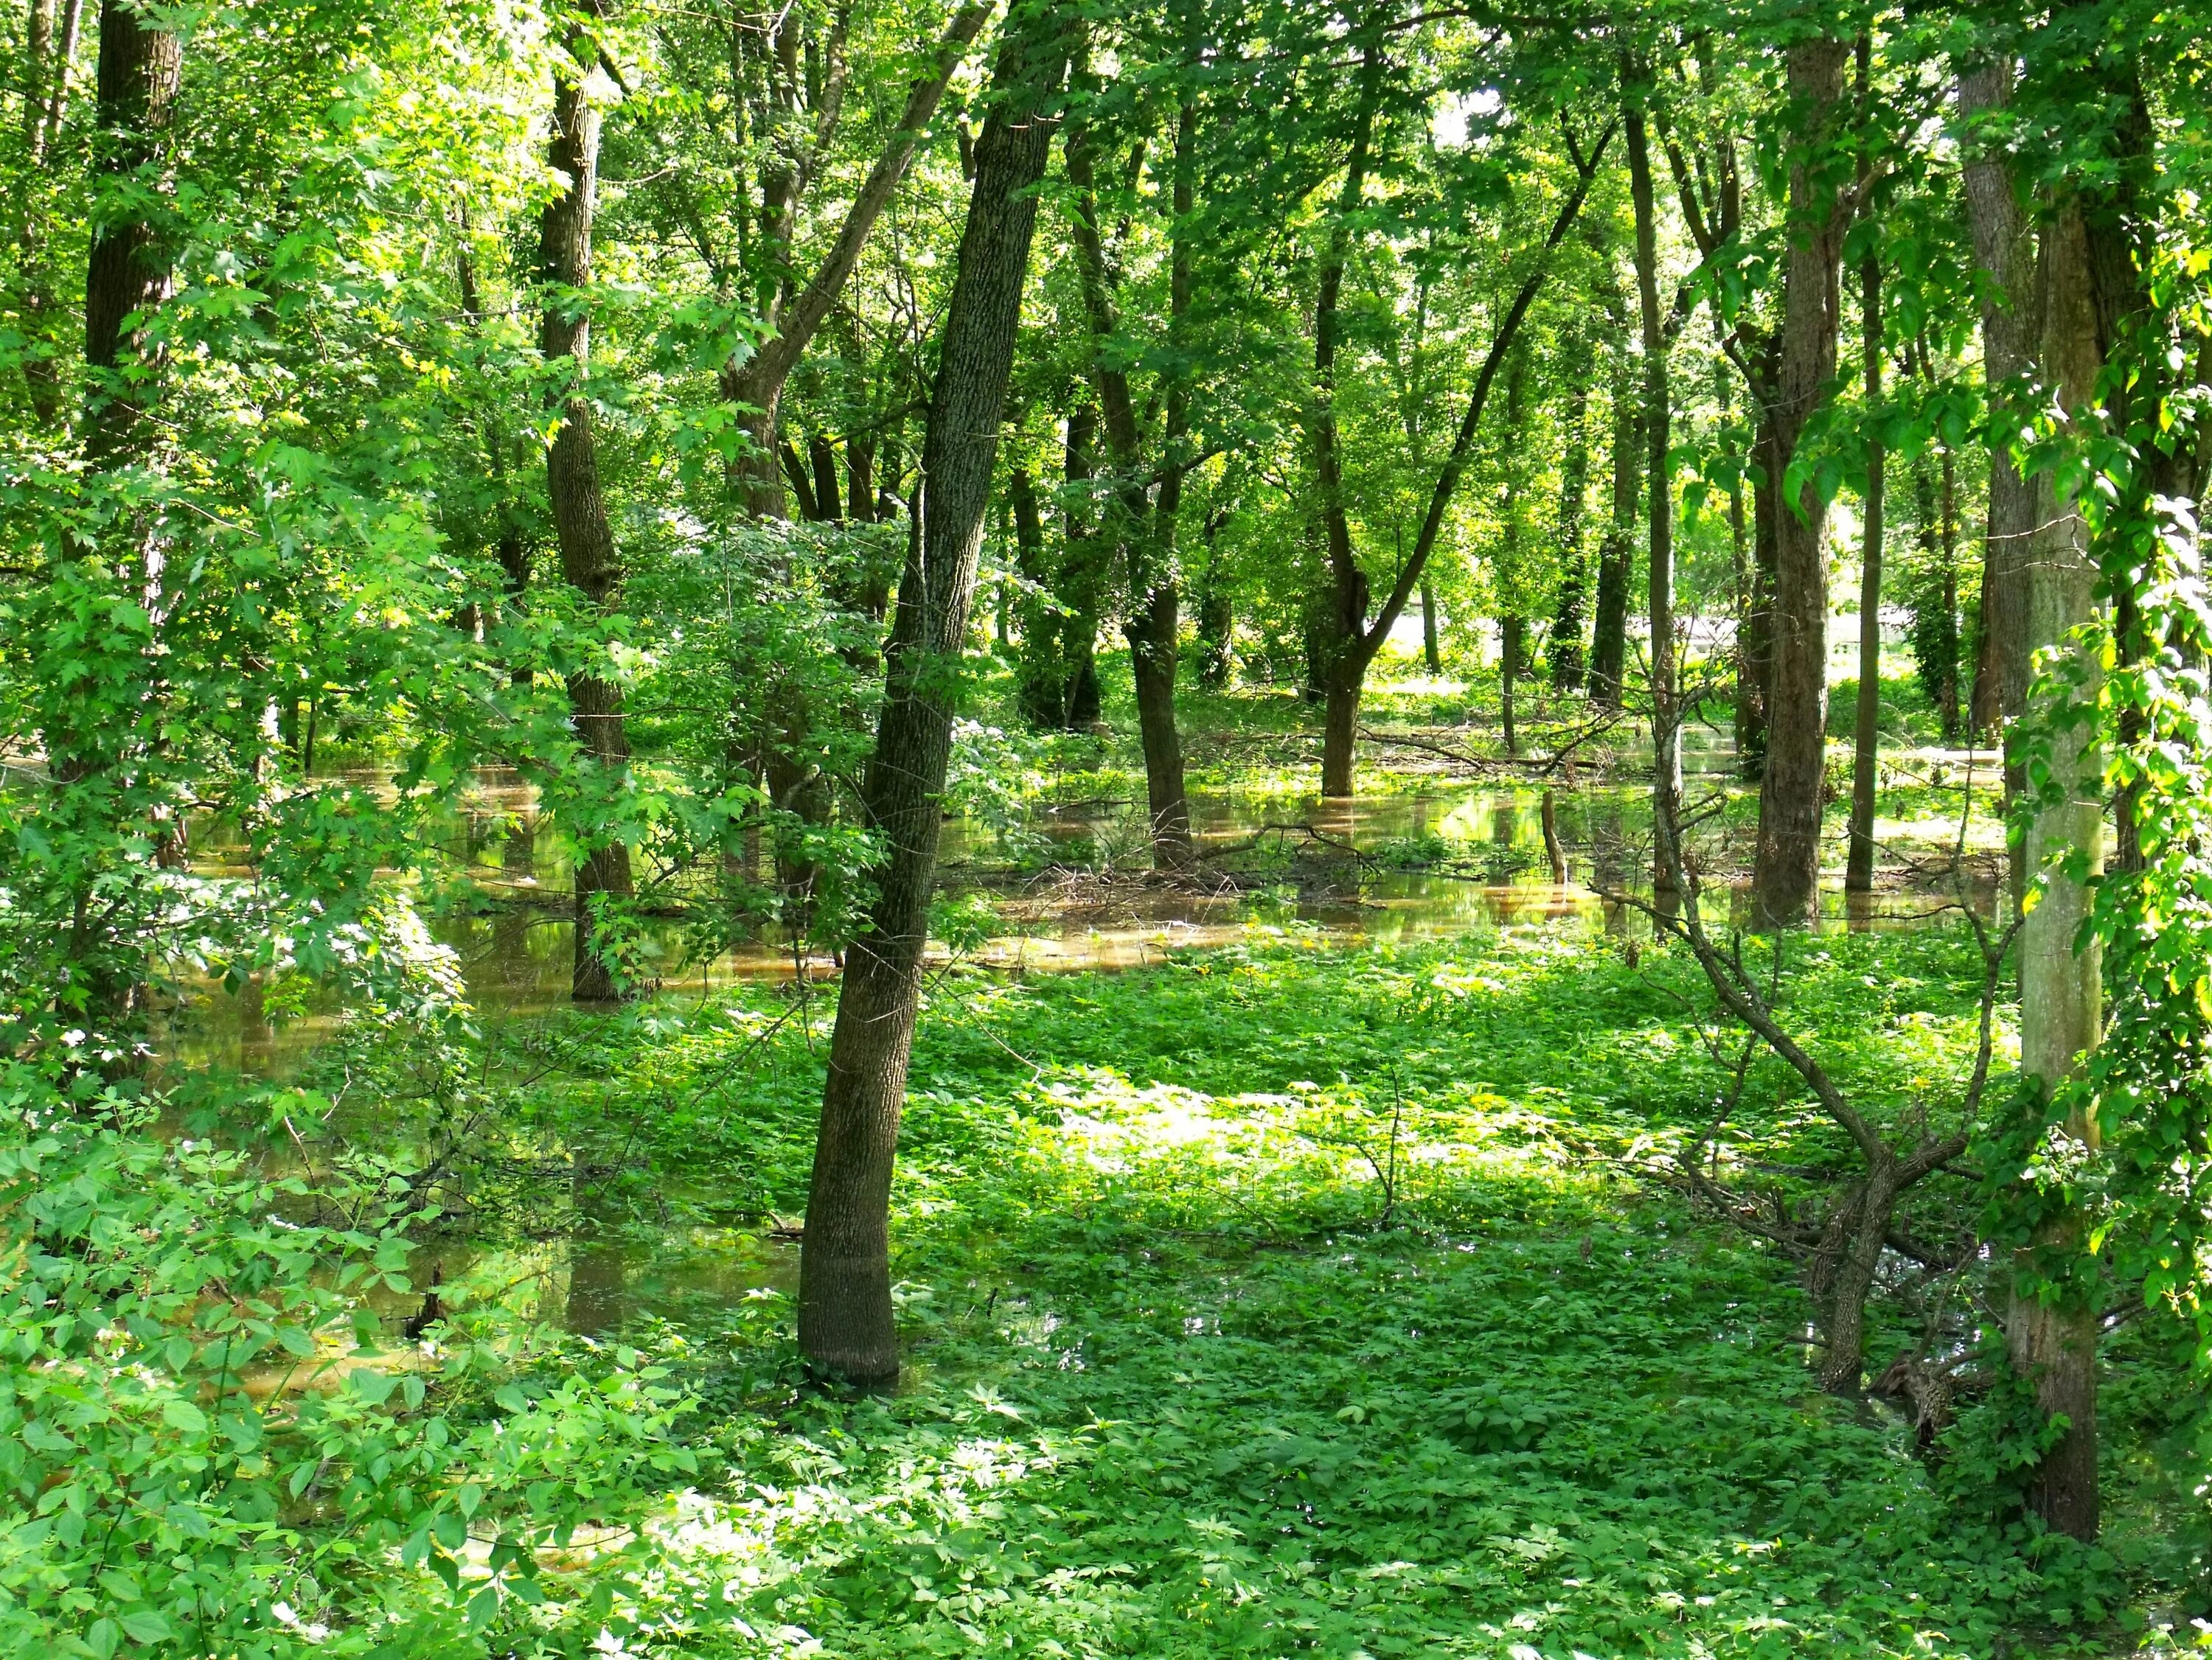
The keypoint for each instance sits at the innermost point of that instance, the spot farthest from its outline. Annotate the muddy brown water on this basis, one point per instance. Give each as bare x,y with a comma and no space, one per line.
1339,866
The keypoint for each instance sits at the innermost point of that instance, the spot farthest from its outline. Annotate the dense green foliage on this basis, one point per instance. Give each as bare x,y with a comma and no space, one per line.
617,493
1282,1296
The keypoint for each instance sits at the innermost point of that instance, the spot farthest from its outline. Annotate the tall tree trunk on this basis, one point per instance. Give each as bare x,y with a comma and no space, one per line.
1154,628
1609,632
1432,655
1786,880
1567,661
2054,1342
38,53
1754,661
1666,714
589,560
1083,560
127,271
1143,523
1858,873
1040,677
1508,577
1341,611
2002,253
845,1319
1512,646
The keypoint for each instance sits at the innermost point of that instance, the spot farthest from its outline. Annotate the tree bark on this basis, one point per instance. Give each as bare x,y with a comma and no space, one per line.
127,271
846,1326
38,50
589,560
1144,524
1999,230
1858,873
1082,572
2054,1342
1567,660
1355,643
1432,656
1040,681
1786,879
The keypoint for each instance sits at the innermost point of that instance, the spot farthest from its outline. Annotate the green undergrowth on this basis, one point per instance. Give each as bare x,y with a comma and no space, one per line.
1290,1298
1293,1299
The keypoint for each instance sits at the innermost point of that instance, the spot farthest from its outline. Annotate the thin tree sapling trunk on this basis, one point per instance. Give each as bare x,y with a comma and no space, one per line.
1858,872
1666,715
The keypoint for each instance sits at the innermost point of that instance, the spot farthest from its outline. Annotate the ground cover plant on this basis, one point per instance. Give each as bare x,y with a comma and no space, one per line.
1304,1299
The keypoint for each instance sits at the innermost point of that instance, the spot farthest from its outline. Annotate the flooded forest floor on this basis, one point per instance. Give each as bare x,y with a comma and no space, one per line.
1293,1260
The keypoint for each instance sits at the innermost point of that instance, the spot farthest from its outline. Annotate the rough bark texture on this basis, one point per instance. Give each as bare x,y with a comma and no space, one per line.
2001,258
2055,1342
1666,713
127,272
1858,873
589,561
845,1319
1786,880
1754,659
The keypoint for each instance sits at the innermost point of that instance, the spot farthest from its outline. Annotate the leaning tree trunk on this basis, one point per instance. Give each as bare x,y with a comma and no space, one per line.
1357,645
757,382
2054,1342
846,1326
589,561
1786,878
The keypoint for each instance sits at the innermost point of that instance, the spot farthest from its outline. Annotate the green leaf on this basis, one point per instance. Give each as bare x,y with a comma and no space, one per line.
148,1625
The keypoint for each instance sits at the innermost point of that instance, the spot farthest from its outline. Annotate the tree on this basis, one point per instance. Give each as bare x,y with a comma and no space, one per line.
1858,875
1786,880
756,381
1349,640
846,1326
590,562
